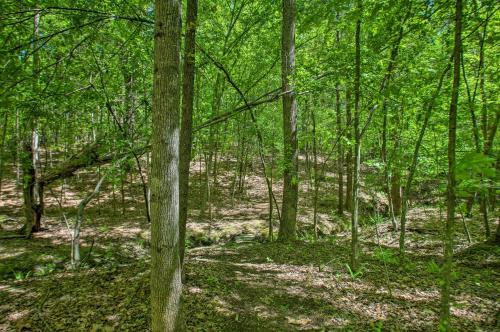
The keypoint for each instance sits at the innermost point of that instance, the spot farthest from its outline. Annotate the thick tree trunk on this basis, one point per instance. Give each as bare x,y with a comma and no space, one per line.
166,285
187,119
451,189
288,223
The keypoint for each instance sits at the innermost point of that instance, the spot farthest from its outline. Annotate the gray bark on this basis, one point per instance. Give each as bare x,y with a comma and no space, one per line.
166,283
75,237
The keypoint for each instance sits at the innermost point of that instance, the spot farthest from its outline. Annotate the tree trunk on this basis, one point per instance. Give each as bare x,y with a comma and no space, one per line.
18,150
451,189
32,188
75,237
413,167
2,148
166,285
340,154
316,175
187,120
357,145
348,161
288,223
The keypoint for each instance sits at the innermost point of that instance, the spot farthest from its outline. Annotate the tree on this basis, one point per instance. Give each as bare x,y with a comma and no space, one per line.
451,188
166,283
357,144
288,223
187,118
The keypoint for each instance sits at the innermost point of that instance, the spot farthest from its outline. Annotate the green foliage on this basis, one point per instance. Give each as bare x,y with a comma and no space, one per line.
20,275
386,256
354,274
475,172
433,267
436,270
45,269
378,327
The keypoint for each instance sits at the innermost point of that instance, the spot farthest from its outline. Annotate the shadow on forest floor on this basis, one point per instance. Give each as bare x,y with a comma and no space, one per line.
254,287
242,286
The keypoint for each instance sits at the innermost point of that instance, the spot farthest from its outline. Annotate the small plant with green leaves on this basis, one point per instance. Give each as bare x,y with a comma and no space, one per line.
375,219
435,269
378,327
386,256
46,269
20,275
354,274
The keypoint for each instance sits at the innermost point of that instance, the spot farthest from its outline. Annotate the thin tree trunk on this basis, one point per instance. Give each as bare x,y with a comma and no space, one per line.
357,144
451,190
2,148
288,223
186,138
166,285
413,167
75,238
348,161
18,150
270,197
340,154
316,175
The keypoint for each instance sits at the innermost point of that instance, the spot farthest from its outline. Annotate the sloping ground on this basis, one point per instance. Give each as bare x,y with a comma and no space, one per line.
241,285
253,287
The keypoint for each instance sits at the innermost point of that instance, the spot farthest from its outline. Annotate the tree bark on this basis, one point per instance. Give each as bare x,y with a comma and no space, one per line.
166,285
340,154
451,189
186,137
288,223
357,145
75,237
316,175
348,159
2,147
32,188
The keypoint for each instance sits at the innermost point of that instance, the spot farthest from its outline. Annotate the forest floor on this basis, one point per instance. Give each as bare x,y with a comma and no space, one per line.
241,282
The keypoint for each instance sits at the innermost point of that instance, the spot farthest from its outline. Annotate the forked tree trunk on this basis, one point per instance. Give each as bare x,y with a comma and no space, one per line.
166,285
288,223
75,237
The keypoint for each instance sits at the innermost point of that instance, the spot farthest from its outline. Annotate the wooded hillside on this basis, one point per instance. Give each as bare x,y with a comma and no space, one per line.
249,165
